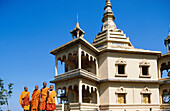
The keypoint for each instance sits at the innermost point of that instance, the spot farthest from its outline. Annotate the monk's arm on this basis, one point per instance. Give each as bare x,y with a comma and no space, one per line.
29,95
47,96
20,99
54,94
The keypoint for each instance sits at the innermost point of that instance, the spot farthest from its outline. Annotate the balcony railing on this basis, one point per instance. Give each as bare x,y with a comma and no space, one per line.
76,73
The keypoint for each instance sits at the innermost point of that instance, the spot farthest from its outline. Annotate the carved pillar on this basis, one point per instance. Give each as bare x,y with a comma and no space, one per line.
56,63
80,90
60,96
78,33
159,70
56,99
97,68
97,92
79,56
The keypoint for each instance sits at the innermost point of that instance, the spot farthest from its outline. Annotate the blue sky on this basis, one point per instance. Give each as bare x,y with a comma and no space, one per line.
29,29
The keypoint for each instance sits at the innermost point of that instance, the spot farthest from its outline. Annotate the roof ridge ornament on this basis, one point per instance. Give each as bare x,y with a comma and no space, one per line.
108,3
77,24
77,31
169,30
108,17
167,42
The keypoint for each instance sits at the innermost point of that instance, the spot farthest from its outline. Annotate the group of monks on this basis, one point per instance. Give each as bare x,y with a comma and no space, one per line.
42,100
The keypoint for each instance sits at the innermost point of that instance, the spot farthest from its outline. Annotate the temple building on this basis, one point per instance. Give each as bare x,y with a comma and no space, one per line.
110,74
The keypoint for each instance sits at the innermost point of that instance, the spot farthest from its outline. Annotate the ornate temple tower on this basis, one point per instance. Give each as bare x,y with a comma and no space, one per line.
164,75
110,36
77,31
110,73
167,42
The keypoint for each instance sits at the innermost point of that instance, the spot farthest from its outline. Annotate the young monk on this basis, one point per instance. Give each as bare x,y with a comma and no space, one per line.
50,100
25,99
35,99
43,97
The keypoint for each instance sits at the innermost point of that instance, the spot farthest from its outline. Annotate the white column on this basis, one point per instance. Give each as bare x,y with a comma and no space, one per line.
89,89
167,48
56,63
56,99
97,91
60,96
77,33
97,68
62,107
79,56
134,95
80,91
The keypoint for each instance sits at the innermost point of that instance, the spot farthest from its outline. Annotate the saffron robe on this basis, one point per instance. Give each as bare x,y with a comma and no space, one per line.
43,98
24,100
52,95
51,101
35,100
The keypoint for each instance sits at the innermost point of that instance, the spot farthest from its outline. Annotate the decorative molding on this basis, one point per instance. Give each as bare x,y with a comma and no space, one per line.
144,76
120,61
144,63
121,75
121,90
145,90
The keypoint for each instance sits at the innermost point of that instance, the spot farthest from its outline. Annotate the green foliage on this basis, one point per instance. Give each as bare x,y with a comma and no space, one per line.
5,93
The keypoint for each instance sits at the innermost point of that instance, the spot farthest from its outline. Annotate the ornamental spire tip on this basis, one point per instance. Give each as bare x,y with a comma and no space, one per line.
77,24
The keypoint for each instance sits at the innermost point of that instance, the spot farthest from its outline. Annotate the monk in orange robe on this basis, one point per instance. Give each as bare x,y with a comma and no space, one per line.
24,99
35,99
43,96
51,99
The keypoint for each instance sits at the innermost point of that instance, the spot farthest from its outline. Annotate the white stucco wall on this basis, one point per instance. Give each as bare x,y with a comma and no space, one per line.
108,69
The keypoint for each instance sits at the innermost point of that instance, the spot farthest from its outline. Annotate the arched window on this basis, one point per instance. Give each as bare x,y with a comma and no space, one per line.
166,96
121,95
169,46
146,95
144,69
120,68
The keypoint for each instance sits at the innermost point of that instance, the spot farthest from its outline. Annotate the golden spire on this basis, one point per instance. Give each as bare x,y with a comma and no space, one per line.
167,41
108,4
108,17
77,24
169,30
77,31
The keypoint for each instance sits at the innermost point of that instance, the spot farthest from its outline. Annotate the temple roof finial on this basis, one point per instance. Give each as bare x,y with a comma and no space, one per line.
169,30
108,4
167,42
77,24
108,17
77,31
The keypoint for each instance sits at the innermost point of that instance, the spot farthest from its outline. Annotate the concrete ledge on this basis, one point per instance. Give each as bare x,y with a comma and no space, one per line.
130,107
74,74
132,81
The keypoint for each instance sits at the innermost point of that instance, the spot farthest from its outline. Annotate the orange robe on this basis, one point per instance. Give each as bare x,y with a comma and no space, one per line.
24,100
43,98
52,95
35,100
51,101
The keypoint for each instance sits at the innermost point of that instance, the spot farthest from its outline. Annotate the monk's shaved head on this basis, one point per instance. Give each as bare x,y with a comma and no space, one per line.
44,84
51,87
36,87
26,88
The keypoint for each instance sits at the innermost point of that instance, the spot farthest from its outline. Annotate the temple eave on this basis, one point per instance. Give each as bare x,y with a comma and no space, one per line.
74,42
